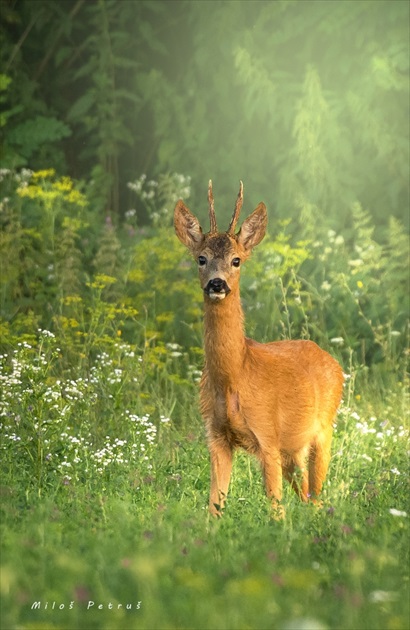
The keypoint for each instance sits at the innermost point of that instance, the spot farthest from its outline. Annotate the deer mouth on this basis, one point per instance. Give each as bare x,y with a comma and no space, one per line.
216,296
217,289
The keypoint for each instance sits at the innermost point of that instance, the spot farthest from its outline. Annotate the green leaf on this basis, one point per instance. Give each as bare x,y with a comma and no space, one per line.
82,106
32,134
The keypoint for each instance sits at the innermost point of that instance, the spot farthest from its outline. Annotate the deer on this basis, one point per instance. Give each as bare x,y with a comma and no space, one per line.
276,400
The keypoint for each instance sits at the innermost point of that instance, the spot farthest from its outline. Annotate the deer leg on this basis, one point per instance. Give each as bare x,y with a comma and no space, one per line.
221,466
272,473
295,471
319,458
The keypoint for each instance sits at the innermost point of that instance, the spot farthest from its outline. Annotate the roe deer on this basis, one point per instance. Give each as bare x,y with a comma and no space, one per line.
276,400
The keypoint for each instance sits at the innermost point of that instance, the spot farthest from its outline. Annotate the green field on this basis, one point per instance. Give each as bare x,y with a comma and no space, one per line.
104,520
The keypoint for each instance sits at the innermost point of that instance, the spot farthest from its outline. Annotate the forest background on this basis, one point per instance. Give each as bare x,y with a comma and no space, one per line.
111,110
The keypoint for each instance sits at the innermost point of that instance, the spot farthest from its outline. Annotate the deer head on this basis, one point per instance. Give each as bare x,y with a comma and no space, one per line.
220,254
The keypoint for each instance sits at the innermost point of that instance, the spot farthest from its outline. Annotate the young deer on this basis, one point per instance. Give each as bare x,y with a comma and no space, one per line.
276,400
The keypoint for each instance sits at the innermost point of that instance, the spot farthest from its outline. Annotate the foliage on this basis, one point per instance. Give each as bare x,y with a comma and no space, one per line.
159,197
64,269
304,101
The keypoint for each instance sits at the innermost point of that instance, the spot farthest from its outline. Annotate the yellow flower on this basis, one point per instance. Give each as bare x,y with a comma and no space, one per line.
28,191
64,184
360,284
35,192
101,281
49,172
165,317
71,299
76,197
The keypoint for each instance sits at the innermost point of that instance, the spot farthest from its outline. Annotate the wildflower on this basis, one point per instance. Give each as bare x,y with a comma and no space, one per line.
395,512
337,341
173,346
46,333
395,471
130,213
360,284
383,596
3,173
346,529
76,197
101,281
64,184
82,594
50,172
304,623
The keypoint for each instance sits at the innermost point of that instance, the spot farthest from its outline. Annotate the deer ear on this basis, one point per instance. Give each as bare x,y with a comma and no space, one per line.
253,228
187,226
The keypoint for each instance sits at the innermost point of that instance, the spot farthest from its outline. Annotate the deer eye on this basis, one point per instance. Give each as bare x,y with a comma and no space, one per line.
201,261
236,262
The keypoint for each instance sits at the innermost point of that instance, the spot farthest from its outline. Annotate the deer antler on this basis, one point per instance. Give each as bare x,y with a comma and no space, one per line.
212,217
237,210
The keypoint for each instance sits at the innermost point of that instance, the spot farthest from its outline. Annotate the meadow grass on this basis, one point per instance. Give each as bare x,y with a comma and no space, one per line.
105,480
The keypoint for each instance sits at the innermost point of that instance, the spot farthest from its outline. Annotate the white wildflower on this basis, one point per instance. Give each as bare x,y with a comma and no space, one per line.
395,512
337,341
383,596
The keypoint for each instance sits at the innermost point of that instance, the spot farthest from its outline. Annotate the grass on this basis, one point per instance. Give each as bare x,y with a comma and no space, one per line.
104,520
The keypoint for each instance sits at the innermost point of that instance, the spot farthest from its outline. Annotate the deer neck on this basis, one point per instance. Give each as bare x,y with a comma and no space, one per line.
224,340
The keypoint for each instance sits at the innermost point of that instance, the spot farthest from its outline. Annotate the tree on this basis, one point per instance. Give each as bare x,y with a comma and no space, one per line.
307,102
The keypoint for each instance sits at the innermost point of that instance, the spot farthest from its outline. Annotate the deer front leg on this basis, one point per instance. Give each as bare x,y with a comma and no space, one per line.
272,473
221,466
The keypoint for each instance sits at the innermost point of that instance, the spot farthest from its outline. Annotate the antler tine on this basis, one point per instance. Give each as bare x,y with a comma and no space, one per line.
237,210
212,218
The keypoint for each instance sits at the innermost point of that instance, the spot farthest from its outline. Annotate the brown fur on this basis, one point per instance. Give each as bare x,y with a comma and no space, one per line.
276,400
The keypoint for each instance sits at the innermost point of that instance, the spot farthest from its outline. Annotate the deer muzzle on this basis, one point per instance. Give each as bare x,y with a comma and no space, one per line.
217,289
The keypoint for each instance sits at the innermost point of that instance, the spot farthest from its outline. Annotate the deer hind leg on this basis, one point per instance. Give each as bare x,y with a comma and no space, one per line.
295,471
221,467
272,473
319,458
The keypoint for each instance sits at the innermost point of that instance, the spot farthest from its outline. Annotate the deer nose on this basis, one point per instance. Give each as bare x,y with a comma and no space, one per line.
217,285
